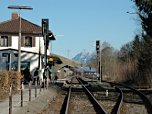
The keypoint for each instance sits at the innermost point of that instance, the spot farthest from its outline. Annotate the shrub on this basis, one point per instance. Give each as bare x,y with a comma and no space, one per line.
6,78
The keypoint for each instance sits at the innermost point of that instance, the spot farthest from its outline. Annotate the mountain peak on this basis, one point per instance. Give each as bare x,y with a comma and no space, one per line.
83,56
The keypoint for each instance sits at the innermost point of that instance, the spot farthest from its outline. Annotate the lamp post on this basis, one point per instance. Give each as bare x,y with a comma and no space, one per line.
19,42
20,27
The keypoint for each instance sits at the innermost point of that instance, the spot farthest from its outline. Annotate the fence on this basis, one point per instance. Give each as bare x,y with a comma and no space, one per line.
25,94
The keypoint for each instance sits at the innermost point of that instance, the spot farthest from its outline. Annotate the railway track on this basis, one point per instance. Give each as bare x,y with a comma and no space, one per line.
146,101
80,99
138,98
95,106
92,105
116,109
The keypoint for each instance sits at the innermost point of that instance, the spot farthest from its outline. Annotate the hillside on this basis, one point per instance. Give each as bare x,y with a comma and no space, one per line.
66,61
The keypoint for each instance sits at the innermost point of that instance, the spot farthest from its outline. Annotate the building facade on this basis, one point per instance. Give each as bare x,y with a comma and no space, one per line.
32,44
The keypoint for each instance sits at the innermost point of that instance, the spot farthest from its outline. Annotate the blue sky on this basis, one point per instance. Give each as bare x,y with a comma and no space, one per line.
81,22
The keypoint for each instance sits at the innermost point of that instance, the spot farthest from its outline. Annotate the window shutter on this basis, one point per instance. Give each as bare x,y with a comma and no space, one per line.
22,41
33,41
9,41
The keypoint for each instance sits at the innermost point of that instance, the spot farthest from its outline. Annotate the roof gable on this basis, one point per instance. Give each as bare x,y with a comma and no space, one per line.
12,26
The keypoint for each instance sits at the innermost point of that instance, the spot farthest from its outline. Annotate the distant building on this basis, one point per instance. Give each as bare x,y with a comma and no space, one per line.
89,72
32,43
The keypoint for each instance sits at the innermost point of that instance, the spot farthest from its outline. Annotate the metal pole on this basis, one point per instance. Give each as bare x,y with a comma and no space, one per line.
47,79
40,85
19,44
39,54
19,56
44,84
100,67
98,58
21,94
46,31
45,53
10,60
35,87
30,91
10,100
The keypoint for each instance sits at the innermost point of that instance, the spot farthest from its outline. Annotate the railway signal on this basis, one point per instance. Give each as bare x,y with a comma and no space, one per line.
98,46
45,27
99,67
45,33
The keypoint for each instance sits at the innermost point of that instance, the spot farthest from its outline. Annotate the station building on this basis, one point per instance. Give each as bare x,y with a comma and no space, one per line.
32,44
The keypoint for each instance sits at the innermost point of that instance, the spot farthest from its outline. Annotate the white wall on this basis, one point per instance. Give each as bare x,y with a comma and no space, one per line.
30,49
15,42
31,57
36,48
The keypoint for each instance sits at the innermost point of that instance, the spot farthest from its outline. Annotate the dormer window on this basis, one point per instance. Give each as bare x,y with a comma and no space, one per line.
4,41
28,41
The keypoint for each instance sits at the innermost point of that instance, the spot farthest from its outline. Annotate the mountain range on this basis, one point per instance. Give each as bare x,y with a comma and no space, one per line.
84,56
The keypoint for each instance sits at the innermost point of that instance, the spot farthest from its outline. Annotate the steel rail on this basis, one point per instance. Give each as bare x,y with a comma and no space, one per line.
118,105
96,104
65,106
68,100
146,101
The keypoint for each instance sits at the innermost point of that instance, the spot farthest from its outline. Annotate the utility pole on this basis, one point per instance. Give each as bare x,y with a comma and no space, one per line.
20,27
19,41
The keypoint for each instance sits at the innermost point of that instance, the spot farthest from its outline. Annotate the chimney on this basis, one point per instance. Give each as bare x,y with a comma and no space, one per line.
14,15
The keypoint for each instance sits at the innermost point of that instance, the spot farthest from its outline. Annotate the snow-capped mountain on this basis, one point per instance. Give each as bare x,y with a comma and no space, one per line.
84,56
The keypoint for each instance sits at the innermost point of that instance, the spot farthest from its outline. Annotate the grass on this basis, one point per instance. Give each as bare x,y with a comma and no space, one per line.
66,61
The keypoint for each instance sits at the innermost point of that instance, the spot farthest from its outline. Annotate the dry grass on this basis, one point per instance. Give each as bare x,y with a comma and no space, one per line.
6,78
66,61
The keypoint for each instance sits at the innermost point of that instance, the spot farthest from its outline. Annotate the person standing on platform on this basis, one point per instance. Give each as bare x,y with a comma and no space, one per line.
36,76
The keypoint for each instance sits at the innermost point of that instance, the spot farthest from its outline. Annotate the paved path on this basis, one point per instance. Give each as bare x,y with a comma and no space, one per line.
34,106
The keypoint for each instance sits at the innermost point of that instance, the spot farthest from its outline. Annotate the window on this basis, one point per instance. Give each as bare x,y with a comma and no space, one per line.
4,41
28,41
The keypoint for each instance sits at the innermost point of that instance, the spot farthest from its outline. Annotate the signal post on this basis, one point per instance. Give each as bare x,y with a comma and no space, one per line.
98,58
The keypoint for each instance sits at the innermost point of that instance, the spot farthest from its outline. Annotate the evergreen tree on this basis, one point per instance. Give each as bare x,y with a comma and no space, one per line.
145,59
145,62
126,52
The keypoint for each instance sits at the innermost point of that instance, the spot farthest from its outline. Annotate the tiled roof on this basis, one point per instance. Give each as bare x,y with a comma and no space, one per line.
12,27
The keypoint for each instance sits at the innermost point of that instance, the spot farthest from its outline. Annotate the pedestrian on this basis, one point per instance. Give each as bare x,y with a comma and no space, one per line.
44,79
27,74
36,76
